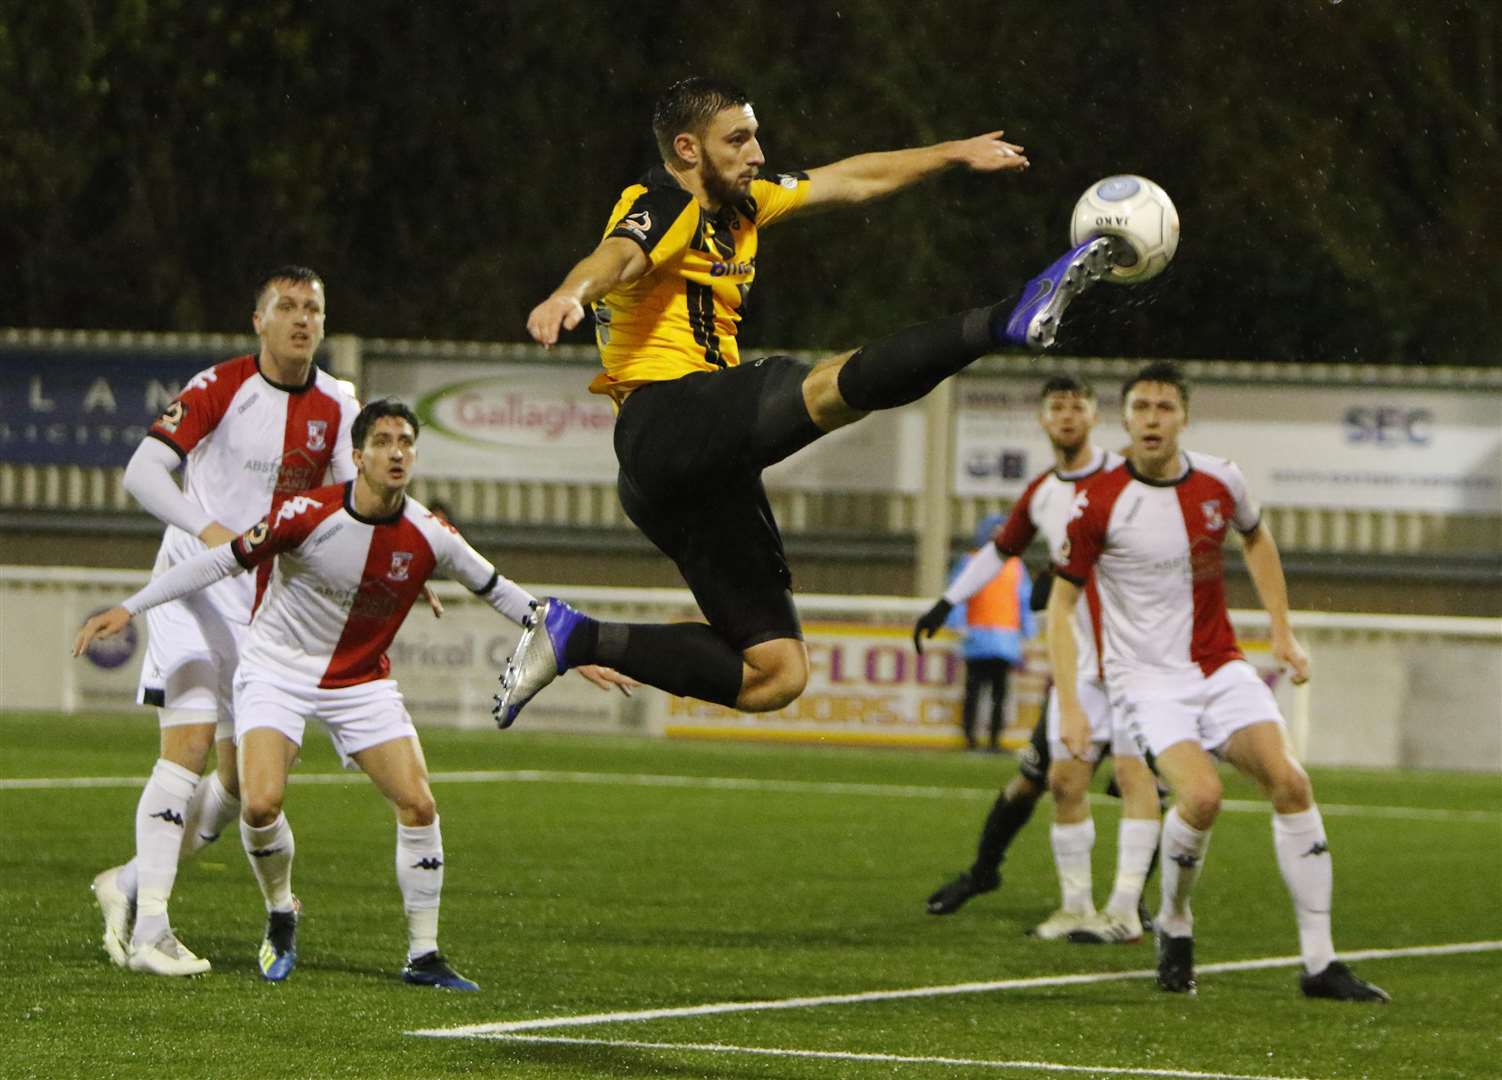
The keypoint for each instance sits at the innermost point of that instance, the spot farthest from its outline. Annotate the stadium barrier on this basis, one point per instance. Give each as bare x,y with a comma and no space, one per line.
1388,691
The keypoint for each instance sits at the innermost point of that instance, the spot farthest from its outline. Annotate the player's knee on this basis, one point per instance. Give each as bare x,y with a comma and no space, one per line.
776,673
1199,800
1067,785
1289,788
418,811
259,809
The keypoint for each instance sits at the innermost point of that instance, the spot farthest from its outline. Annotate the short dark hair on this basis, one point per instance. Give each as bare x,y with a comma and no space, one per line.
1159,371
1067,384
286,273
376,410
689,105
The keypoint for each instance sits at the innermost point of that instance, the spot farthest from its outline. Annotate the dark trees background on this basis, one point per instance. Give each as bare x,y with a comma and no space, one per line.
1336,165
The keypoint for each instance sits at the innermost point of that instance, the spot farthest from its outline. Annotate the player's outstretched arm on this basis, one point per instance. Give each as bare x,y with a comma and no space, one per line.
617,261
874,176
1266,569
1064,658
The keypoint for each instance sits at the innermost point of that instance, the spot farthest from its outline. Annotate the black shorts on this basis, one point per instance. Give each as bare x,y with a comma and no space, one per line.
691,452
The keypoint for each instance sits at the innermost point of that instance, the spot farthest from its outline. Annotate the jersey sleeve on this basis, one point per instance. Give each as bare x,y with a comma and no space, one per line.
196,411
1084,540
1018,530
455,559
660,221
1247,514
342,464
777,196
284,529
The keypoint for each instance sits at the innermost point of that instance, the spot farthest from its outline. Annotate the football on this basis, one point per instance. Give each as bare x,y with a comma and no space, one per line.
1138,213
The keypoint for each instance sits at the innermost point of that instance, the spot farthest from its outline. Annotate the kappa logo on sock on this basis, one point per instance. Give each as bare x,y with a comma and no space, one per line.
1188,862
428,863
170,816
1319,847
262,852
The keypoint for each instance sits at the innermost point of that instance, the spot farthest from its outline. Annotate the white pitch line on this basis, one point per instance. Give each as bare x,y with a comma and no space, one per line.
741,783
715,1008
895,1059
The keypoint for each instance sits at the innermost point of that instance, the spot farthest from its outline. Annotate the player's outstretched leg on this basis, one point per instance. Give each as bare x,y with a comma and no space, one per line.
1035,320
688,659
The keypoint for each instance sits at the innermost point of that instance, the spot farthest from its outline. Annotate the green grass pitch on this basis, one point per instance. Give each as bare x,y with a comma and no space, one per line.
569,892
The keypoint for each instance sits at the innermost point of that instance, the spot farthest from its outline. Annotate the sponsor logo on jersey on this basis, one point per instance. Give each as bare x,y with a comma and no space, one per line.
316,431
637,224
248,402
1213,519
730,269
401,564
174,415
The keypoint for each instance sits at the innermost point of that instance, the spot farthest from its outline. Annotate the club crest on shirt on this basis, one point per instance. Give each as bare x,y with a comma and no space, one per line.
172,416
637,224
1214,522
401,563
317,429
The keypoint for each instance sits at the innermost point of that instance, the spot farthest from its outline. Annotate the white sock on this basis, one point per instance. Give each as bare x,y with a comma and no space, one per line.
1072,845
159,834
270,850
419,874
1183,858
1136,840
1304,859
210,809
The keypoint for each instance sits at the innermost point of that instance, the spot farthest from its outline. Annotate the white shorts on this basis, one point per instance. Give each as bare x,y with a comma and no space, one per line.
1103,727
192,651
1208,710
357,717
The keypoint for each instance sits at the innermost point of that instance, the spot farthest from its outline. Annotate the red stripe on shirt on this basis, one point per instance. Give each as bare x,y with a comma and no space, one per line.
397,564
1207,507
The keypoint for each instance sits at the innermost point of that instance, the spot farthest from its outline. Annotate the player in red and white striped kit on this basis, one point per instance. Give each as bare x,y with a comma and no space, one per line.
1151,531
350,560
247,433
1067,416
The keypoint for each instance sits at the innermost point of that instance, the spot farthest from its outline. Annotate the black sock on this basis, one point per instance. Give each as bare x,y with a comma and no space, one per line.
900,369
688,659
1002,824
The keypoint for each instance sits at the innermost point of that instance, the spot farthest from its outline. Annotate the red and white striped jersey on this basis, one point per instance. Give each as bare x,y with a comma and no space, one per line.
343,584
1044,507
1155,548
247,443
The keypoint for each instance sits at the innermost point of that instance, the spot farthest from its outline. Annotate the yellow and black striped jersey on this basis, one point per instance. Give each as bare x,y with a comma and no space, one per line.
682,315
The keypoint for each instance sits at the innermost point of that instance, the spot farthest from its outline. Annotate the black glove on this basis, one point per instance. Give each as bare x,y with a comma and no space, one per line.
929,622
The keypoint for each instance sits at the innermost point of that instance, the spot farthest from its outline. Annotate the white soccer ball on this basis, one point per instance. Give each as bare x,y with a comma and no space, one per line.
1139,213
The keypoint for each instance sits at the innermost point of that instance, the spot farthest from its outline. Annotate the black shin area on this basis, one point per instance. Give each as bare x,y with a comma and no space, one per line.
900,369
688,659
1003,823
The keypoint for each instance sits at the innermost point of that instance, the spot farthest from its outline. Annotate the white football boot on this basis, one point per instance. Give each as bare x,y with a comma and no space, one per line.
119,912
1060,925
166,956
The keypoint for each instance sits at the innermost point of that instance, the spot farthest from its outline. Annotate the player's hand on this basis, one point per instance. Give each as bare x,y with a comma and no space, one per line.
1291,655
1074,729
607,678
215,534
989,153
929,622
433,602
105,624
553,316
